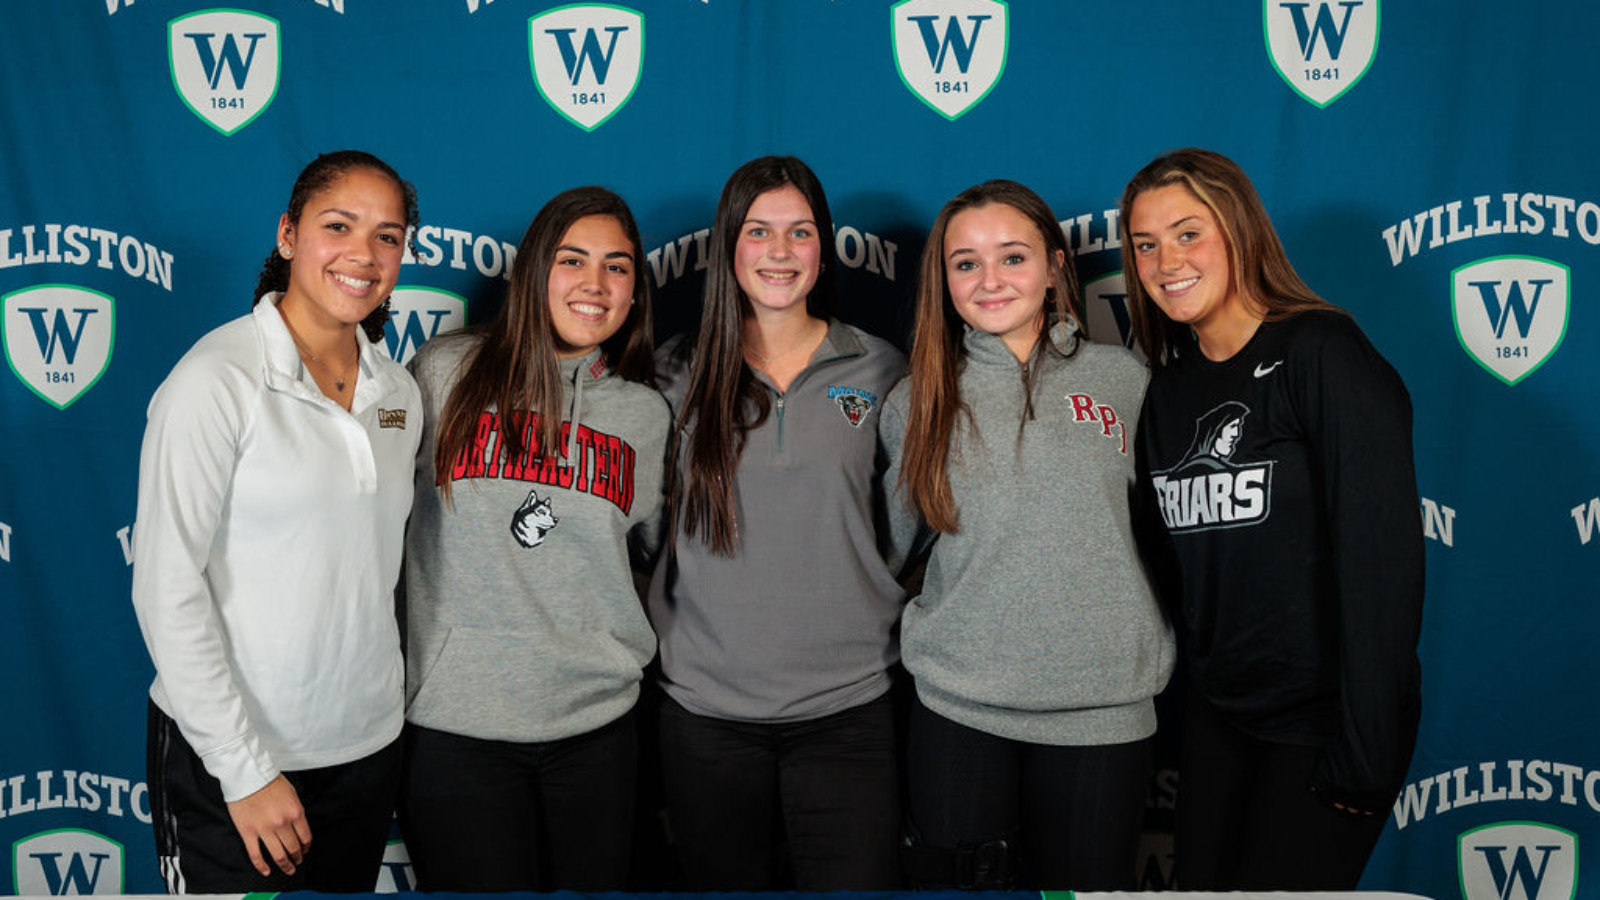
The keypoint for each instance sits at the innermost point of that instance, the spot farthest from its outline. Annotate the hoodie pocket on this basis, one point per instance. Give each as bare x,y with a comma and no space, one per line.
523,685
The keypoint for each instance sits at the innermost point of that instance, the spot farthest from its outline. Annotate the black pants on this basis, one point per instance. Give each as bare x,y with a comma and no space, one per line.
1071,814
348,807
1248,822
482,815
737,791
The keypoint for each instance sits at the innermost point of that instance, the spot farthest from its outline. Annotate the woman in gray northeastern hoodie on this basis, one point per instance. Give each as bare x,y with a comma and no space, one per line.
539,477
1036,646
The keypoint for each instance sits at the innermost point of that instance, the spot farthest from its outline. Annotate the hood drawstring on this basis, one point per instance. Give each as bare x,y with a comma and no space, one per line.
574,412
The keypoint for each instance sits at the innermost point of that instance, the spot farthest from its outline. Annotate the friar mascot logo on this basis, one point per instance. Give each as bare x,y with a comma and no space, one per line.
1208,488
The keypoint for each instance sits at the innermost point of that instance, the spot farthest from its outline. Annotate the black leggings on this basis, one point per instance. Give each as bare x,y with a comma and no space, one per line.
1248,822
737,792
482,815
1071,813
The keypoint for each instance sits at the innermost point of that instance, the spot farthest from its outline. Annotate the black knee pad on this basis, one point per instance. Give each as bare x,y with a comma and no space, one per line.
983,866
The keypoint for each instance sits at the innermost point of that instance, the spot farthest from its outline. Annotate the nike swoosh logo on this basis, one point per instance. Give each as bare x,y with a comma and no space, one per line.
1263,370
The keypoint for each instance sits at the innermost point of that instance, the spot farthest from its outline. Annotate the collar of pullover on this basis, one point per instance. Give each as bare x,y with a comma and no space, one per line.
283,370
990,351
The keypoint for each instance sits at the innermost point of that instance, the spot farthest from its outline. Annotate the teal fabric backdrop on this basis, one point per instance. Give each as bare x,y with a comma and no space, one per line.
1429,165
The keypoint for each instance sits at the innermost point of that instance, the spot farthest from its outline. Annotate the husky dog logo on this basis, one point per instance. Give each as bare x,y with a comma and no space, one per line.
855,403
417,314
533,520
1107,320
1518,861
1511,312
1207,489
58,339
1321,48
225,65
67,861
587,59
950,53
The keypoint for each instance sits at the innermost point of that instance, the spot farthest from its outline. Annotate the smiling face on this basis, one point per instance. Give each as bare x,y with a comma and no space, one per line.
997,268
779,251
345,250
1183,260
591,285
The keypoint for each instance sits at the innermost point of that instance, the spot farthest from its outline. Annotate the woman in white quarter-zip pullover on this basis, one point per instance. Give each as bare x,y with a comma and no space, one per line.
274,485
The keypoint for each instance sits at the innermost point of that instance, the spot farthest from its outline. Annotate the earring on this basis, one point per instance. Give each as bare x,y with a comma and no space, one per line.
285,251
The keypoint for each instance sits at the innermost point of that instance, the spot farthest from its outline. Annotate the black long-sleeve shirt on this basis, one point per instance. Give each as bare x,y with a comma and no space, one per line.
1284,477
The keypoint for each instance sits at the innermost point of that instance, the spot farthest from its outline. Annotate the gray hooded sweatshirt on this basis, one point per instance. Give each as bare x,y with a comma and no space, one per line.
524,621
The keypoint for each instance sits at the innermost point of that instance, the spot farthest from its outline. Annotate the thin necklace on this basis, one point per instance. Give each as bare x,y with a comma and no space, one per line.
767,360
338,380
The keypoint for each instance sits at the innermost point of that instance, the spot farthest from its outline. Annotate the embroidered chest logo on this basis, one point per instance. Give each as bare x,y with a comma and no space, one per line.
533,520
855,403
1207,488
1084,409
392,418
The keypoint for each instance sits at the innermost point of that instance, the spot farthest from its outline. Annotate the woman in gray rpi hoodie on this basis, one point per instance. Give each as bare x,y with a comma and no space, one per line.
1036,645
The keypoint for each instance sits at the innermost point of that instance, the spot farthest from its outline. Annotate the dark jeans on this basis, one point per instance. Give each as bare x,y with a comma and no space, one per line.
348,808
1071,814
1247,820
736,791
482,815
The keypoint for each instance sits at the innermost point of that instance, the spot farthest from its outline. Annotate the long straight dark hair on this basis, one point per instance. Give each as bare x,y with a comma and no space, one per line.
937,351
724,400
514,367
318,175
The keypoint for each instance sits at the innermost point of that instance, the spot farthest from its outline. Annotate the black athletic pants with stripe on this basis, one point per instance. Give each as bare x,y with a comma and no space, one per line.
349,808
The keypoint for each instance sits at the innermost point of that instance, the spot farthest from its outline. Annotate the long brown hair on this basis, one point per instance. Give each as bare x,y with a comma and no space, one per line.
514,368
938,351
318,175
1262,273
724,400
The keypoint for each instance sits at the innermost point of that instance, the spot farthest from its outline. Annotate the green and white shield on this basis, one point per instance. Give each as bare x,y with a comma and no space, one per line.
950,53
58,339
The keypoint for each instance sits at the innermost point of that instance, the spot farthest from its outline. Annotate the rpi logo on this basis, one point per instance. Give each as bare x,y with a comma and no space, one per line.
1321,48
58,339
1518,861
1106,315
417,314
1511,312
587,60
950,53
224,65
65,862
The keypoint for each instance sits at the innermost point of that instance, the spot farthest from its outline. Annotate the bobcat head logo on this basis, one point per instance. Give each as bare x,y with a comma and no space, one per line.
533,520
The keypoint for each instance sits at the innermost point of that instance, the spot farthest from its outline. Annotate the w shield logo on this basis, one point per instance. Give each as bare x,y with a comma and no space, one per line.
225,65
1106,314
1321,47
68,861
950,53
1518,861
1511,312
587,60
58,339
418,314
